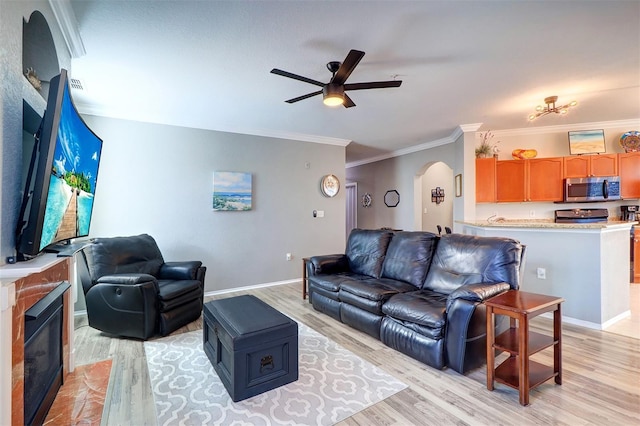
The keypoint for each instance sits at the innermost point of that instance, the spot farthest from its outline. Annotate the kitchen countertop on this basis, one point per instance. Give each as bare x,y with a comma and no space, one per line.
546,224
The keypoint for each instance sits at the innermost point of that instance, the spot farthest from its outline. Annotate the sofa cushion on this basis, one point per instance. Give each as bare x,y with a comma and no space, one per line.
174,293
366,250
375,289
333,282
467,259
409,256
370,294
422,307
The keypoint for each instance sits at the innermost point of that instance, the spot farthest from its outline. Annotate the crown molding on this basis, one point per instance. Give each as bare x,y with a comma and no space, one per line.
269,133
463,128
409,150
469,127
69,26
88,109
635,122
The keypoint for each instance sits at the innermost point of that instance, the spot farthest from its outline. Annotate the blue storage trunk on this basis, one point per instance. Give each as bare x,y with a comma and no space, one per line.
252,347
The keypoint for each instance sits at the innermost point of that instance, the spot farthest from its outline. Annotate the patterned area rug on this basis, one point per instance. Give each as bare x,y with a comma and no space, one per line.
333,384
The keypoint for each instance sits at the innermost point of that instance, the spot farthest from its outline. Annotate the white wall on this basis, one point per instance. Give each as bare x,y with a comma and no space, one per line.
397,173
157,179
437,175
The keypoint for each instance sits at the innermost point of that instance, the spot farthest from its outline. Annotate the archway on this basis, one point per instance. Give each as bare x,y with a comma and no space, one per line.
428,212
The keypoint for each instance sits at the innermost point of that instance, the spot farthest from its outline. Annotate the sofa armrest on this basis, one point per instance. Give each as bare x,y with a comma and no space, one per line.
476,292
327,264
126,279
187,270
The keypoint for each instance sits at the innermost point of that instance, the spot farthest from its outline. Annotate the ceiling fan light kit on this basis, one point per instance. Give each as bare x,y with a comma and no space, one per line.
333,95
551,107
333,92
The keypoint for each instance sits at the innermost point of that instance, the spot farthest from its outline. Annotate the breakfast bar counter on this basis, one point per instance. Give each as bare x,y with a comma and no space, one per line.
549,224
587,264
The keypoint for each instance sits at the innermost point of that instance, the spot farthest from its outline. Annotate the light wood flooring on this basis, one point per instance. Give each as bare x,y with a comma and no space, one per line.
601,377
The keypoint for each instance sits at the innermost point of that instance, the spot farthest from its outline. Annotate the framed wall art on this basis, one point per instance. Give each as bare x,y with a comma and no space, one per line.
458,185
586,142
231,191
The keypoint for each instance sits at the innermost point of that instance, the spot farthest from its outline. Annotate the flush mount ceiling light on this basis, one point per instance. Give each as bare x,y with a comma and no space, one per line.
551,107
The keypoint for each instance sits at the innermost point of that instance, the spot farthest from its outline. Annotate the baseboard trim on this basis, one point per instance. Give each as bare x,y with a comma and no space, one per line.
589,324
226,290
251,287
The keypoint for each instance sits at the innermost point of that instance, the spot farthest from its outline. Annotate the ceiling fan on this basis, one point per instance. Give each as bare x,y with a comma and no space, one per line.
333,92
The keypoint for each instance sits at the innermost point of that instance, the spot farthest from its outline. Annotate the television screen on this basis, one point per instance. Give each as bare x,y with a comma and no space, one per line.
61,199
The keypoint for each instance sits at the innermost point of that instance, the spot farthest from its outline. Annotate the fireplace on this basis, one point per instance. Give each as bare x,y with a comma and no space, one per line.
22,285
43,354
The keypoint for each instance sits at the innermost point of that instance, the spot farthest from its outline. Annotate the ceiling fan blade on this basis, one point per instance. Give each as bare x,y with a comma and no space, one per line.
299,98
373,85
296,77
347,67
348,103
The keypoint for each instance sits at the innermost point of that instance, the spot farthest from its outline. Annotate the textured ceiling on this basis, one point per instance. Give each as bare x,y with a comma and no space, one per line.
205,64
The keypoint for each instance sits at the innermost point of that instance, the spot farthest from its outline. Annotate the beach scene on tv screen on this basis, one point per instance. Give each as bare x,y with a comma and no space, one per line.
73,179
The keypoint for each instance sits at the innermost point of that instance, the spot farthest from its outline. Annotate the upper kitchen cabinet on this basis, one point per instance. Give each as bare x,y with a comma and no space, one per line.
511,181
539,179
486,180
629,167
590,165
545,179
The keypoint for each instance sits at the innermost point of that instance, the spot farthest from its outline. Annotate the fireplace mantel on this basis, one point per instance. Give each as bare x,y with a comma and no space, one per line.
21,286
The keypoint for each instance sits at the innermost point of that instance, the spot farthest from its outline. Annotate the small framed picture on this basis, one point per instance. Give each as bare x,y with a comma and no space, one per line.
458,185
586,142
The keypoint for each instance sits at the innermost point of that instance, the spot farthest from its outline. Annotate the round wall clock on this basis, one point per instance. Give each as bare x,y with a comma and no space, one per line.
329,186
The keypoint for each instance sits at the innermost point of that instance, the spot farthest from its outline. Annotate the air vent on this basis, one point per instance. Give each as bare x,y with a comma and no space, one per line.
76,84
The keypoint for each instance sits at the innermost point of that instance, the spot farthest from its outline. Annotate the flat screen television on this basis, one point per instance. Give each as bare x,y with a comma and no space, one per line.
61,182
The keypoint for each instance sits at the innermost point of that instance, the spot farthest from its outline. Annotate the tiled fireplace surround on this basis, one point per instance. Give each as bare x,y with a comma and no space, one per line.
27,284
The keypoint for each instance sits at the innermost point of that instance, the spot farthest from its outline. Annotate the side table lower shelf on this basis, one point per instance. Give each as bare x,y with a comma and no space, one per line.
507,373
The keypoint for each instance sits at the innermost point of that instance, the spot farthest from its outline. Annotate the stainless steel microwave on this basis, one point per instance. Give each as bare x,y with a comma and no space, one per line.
605,188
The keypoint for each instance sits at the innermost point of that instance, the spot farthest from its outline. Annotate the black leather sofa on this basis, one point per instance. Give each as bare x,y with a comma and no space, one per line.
417,292
131,291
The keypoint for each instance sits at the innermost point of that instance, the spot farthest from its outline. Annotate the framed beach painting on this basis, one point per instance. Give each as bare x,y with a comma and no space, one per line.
586,142
231,191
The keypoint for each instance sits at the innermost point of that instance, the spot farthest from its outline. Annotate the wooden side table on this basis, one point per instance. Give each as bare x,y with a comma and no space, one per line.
305,260
518,371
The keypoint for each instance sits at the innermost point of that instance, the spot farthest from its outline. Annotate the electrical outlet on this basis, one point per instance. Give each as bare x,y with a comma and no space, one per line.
288,256
542,273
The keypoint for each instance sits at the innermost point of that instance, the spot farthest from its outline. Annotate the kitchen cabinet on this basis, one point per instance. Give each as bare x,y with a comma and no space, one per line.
511,181
629,168
538,179
591,165
486,180
546,179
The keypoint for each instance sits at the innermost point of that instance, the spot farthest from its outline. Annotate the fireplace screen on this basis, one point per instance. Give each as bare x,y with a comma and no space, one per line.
43,355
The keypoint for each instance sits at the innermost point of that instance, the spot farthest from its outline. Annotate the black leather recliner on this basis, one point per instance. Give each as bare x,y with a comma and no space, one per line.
131,291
